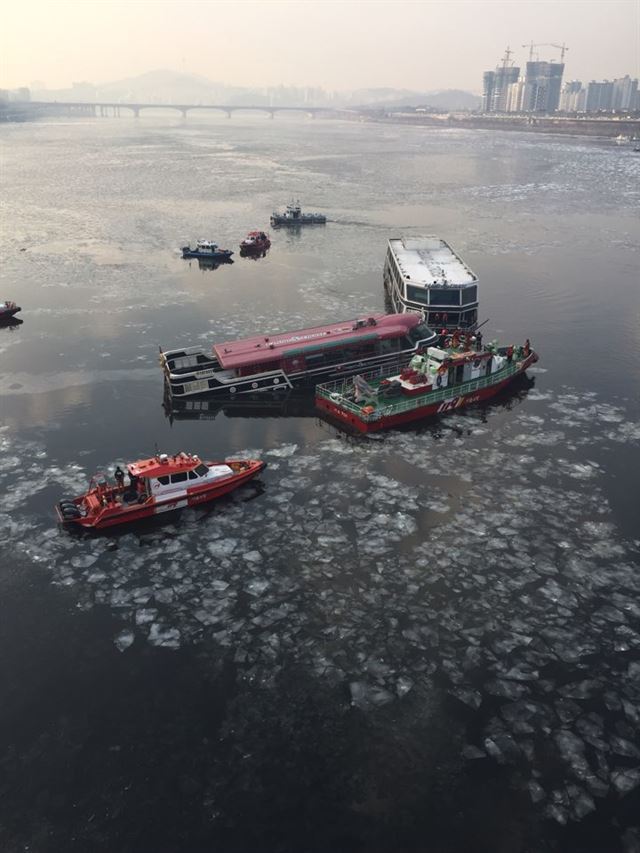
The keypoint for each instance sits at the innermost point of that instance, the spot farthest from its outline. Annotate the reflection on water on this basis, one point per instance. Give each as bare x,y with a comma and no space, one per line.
284,404
425,637
253,254
11,324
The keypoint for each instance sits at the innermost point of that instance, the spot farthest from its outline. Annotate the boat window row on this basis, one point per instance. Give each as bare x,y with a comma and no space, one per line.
442,296
392,267
183,476
368,349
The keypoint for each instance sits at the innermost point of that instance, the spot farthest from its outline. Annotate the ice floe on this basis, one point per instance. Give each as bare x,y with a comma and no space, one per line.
481,565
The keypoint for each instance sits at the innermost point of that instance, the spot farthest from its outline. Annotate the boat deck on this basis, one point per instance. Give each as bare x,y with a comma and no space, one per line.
430,260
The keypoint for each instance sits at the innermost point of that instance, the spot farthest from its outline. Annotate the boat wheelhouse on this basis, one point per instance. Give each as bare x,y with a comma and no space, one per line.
440,381
425,275
207,250
291,359
293,215
156,485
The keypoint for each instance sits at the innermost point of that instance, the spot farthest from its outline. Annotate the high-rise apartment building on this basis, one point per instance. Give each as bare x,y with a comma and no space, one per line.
625,94
496,87
542,85
572,97
599,96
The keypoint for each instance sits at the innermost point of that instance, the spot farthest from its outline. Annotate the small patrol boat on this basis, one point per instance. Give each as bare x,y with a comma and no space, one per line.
293,215
254,243
8,310
440,380
207,249
159,484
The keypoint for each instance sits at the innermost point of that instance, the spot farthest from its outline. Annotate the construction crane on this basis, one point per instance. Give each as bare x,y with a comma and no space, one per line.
561,47
506,59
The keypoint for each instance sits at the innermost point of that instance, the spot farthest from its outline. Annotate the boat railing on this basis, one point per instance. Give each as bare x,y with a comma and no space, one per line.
335,392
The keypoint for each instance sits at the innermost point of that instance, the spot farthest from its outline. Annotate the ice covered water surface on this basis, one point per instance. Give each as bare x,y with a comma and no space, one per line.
479,557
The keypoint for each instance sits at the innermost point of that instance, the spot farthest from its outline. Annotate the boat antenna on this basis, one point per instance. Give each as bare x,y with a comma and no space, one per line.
475,326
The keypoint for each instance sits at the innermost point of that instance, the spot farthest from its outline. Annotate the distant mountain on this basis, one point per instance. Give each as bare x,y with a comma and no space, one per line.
163,86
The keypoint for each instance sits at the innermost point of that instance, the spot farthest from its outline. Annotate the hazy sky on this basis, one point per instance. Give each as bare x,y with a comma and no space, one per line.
336,44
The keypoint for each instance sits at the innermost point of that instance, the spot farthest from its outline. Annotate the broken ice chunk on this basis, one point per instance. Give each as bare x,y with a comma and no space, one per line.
625,779
123,640
160,635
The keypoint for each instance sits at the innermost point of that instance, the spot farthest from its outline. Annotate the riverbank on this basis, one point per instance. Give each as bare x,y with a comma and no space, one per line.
602,127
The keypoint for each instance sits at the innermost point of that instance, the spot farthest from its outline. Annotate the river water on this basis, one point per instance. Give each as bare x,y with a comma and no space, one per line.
427,640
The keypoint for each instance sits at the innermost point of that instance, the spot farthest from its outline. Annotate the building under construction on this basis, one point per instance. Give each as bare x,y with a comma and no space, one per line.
496,85
505,91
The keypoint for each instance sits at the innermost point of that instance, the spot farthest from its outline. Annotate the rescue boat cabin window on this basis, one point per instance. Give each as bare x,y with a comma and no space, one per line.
201,470
164,480
179,478
193,475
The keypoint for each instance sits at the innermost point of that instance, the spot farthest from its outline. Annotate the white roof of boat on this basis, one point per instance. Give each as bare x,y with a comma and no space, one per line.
430,260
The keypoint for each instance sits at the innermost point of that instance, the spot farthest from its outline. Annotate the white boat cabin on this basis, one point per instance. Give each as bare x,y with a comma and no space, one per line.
166,476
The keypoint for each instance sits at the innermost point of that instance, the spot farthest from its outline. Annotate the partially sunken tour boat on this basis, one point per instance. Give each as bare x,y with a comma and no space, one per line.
293,215
156,485
207,250
290,359
425,275
8,311
440,381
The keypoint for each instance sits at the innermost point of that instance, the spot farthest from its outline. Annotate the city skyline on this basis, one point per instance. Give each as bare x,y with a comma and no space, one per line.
421,46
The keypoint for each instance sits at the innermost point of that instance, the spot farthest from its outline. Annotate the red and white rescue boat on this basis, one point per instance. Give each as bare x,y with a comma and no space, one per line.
160,484
438,381
254,243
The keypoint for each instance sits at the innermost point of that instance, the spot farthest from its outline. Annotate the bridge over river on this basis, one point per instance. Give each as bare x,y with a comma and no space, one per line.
107,108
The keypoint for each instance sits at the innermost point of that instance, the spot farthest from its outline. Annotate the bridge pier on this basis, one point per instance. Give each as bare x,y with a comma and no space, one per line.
184,113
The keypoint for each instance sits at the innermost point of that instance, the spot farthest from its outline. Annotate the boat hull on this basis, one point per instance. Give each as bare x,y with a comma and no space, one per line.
119,514
300,220
254,248
208,256
351,420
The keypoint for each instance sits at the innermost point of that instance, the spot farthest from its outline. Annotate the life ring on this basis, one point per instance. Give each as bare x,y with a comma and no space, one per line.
439,380
442,370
